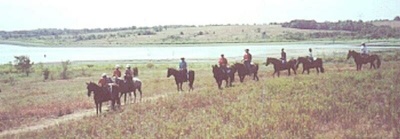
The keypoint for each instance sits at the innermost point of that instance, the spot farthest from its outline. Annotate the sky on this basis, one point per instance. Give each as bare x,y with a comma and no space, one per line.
78,14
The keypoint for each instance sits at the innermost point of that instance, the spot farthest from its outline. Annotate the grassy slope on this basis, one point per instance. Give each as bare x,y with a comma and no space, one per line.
211,34
339,103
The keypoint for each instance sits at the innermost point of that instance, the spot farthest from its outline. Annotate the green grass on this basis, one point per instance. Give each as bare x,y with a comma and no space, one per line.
340,103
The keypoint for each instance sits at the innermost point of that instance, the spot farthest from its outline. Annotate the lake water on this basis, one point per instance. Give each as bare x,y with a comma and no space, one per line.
259,51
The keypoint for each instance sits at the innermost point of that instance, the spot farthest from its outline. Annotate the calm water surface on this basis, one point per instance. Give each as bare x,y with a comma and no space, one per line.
46,54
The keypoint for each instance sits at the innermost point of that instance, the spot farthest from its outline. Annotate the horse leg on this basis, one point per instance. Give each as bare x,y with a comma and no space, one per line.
100,107
134,94
97,109
288,71
317,70
177,86
140,91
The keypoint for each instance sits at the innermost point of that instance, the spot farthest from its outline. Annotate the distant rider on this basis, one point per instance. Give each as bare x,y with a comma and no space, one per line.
183,68
283,56
105,82
223,63
247,60
364,50
128,71
117,73
310,55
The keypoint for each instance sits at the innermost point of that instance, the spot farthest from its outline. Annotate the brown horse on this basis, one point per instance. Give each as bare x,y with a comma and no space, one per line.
243,71
101,96
220,75
129,85
307,64
180,78
278,65
360,60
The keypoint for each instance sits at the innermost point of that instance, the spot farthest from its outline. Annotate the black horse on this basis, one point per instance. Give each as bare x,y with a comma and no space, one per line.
278,65
220,75
180,78
101,96
360,60
243,71
129,85
307,64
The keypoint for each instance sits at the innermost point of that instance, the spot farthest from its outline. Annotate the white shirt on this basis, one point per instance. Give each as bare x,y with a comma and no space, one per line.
364,49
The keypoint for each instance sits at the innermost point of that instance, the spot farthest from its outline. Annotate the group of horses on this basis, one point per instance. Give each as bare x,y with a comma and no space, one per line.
227,74
120,87
292,64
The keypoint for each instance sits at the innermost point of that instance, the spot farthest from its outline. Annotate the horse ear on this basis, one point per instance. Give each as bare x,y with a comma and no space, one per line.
87,83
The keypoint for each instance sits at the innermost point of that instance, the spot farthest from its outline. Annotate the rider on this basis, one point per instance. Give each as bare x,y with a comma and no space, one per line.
183,68
117,73
223,63
310,55
247,60
128,71
364,51
283,56
104,83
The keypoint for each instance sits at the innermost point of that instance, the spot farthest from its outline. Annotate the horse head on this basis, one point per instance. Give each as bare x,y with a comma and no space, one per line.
90,87
350,54
170,72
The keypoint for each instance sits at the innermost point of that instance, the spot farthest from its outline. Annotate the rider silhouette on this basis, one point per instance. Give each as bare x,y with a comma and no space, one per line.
183,68
223,64
283,56
310,55
364,51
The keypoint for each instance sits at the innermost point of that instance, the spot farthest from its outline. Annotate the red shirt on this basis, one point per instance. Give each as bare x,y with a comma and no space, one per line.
222,61
247,57
102,82
117,73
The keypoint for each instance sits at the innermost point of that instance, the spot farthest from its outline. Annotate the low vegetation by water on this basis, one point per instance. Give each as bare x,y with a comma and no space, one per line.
341,103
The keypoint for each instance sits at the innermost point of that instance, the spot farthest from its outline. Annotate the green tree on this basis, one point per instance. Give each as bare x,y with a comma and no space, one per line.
23,64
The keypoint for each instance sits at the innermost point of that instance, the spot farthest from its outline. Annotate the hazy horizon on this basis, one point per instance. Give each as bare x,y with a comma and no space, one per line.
75,14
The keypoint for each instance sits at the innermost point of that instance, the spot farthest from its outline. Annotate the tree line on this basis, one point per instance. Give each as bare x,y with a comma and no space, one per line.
356,29
76,32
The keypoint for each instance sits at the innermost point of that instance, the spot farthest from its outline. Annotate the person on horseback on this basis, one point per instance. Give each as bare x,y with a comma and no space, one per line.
128,71
283,56
117,73
104,83
223,63
183,68
310,55
364,51
247,60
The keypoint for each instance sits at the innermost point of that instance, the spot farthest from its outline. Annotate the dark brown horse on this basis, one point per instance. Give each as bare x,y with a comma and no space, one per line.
180,78
221,75
129,85
243,71
307,64
360,60
135,72
278,65
101,96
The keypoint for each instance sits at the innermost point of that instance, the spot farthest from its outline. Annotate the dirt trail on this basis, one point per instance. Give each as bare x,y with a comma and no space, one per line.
56,121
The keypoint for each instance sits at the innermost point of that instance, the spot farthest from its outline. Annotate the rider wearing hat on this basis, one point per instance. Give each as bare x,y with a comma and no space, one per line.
128,71
104,82
364,51
183,67
117,72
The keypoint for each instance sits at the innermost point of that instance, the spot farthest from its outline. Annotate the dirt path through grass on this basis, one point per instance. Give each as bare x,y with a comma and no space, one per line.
48,122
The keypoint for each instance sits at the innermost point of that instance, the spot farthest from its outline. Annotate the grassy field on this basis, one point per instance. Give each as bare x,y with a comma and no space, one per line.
341,103
183,35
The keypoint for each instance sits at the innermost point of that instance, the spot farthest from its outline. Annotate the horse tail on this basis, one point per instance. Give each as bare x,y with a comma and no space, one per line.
322,67
191,78
378,63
